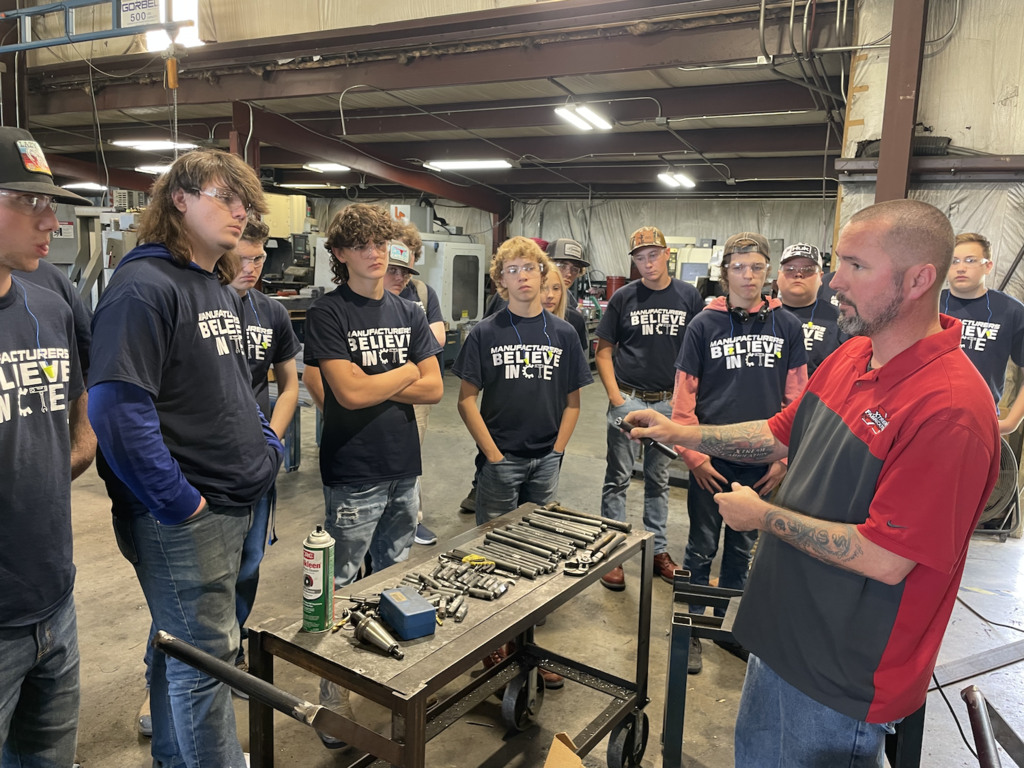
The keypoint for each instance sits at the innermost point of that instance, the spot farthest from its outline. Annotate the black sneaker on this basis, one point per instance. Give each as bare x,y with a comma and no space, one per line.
468,505
424,535
695,662
735,649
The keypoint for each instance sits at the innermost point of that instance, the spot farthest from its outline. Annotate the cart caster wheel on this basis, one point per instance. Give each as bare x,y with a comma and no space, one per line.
520,705
625,747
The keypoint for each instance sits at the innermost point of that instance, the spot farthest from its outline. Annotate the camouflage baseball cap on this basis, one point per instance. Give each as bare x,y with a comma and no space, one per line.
646,236
748,242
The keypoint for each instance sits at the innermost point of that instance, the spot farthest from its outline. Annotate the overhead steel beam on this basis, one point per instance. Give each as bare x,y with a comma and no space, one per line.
782,168
279,131
766,139
674,103
902,88
941,169
499,23
595,55
79,170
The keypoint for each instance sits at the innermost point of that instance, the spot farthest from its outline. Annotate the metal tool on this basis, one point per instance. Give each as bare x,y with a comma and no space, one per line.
587,559
647,442
370,631
618,525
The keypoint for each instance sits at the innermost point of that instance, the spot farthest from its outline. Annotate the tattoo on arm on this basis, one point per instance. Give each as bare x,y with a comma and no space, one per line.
750,442
834,543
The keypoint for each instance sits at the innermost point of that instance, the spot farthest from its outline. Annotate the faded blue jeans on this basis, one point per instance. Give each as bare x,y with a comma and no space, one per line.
188,573
503,486
622,453
252,555
706,528
780,727
376,518
39,691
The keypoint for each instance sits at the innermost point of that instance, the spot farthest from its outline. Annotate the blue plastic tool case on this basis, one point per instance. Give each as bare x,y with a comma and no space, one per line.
406,612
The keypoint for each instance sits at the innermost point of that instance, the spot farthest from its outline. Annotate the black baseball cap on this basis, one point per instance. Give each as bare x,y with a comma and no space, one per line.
566,249
802,251
23,167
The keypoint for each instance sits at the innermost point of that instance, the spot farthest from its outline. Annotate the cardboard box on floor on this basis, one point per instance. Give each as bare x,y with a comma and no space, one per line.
562,753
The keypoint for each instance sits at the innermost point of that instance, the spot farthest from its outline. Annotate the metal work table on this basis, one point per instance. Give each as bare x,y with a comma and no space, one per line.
432,662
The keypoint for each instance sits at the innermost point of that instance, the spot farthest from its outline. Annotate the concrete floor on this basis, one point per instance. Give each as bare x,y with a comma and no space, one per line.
598,625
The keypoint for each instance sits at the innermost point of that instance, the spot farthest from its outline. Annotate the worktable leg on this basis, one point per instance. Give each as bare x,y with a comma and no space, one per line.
261,717
643,633
675,692
409,726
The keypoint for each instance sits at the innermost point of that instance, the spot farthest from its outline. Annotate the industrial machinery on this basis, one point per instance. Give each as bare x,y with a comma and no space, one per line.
687,260
455,267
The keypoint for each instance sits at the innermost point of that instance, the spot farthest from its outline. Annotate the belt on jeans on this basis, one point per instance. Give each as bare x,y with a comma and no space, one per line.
644,395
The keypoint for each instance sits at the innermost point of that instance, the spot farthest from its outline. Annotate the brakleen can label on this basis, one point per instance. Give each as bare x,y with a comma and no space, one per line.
317,584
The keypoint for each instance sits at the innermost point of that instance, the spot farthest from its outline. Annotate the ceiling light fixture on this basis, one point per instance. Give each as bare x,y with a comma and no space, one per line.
326,167
90,186
152,146
670,180
311,185
593,117
685,180
155,170
466,165
570,116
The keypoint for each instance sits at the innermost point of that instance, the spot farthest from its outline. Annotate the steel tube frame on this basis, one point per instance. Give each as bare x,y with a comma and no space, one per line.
413,726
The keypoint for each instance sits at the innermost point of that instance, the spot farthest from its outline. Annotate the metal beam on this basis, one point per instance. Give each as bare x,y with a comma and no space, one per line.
902,87
767,139
674,103
599,54
279,131
940,169
79,170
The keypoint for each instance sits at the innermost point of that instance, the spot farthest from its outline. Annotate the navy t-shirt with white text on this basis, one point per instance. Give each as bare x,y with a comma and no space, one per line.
177,333
992,333
526,367
380,443
40,377
269,340
822,336
742,367
648,327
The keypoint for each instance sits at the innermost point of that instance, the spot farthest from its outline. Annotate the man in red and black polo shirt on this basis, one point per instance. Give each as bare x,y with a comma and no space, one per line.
849,596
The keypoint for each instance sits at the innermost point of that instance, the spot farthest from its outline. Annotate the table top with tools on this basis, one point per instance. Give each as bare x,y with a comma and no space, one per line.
499,603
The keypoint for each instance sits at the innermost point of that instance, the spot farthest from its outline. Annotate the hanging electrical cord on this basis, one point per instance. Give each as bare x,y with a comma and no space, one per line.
956,719
824,182
99,142
252,124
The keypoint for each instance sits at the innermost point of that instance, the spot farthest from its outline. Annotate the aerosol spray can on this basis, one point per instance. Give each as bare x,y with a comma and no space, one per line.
318,581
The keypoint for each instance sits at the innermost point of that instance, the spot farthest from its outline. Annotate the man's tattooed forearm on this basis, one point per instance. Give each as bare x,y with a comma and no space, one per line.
834,543
749,442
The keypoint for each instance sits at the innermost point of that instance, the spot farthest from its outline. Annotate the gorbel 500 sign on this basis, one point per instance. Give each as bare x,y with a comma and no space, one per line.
135,13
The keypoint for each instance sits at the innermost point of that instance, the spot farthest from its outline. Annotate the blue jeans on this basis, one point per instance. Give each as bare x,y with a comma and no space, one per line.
39,691
379,519
780,727
188,574
622,454
705,527
252,555
502,487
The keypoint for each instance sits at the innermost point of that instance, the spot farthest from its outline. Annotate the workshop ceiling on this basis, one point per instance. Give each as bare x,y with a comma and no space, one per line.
685,93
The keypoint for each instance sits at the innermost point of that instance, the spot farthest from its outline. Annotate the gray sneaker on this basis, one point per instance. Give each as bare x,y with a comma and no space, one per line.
145,724
695,662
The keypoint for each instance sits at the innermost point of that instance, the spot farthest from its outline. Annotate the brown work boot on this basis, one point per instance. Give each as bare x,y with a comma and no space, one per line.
665,566
615,580
552,681
494,658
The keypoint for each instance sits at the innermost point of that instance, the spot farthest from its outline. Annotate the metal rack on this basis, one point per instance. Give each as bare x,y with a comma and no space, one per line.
431,663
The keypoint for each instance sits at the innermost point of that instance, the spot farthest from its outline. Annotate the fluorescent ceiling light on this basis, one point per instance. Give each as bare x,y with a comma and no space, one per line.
570,116
593,117
153,146
466,165
155,170
311,185
86,185
685,180
323,167
668,179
